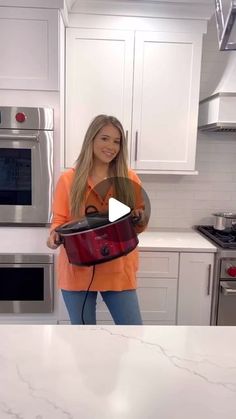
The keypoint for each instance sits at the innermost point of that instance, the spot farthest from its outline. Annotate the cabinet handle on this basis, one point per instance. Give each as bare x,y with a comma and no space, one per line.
209,280
126,136
136,146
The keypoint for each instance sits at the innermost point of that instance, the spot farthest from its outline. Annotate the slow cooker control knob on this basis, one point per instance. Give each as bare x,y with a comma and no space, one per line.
231,271
105,251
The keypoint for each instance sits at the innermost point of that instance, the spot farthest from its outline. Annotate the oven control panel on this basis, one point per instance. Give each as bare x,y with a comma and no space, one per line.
228,268
13,117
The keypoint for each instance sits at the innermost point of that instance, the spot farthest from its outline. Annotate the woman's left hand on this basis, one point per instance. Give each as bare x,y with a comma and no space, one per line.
139,212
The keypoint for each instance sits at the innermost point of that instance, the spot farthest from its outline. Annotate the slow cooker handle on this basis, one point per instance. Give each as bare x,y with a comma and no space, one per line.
60,240
95,212
135,219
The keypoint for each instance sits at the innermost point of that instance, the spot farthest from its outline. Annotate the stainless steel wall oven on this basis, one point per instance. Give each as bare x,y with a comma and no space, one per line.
26,163
26,283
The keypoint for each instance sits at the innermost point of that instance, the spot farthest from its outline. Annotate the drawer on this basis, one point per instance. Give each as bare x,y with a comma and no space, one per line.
158,264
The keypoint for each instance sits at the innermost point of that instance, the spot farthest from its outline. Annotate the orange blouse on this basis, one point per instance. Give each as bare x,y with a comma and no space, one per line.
116,275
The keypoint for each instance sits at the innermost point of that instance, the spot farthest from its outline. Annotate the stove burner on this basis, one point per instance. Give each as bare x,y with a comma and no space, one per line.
222,238
227,238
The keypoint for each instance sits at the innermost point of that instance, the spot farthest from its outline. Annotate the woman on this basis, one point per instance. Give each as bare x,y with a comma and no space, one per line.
103,156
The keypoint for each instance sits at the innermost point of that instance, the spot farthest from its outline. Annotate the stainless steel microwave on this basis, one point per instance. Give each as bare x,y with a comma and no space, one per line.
26,284
26,165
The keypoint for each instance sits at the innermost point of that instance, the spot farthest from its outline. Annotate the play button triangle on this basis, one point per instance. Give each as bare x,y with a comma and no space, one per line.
116,209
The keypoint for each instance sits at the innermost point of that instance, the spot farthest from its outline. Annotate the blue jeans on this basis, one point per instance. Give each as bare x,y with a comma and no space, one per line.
123,306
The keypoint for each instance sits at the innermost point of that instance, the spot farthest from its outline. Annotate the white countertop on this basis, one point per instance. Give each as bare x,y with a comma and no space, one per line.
178,241
33,240
117,372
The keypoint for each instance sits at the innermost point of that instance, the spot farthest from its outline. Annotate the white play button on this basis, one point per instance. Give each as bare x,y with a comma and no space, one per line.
116,209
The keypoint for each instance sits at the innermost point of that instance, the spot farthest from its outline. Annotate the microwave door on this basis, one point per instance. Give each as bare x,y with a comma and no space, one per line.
26,284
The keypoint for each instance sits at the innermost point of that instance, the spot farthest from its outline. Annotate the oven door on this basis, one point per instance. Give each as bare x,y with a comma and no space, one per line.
26,283
25,176
227,304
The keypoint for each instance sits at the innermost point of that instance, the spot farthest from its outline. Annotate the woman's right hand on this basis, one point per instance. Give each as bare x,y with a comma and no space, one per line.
53,240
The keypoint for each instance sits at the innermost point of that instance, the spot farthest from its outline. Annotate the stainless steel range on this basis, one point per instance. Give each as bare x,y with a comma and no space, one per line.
223,310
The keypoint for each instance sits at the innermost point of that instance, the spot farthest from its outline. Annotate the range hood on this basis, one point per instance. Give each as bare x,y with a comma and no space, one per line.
218,113
225,11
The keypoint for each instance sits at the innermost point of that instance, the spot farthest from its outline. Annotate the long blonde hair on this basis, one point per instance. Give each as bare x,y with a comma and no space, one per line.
123,190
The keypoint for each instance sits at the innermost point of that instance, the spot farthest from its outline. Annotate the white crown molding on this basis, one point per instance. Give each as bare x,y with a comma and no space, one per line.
128,23
39,4
153,8
191,9
63,5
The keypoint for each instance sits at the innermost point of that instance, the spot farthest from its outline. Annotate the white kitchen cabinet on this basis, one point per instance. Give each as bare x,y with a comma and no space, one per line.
149,80
29,48
99,71
173,288
157,289
195,288
165,104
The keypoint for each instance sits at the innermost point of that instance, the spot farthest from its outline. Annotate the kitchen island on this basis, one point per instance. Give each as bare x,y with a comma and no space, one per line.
117,372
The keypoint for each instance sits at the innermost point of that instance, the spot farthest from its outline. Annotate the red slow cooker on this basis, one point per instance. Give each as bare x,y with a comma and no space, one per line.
94,239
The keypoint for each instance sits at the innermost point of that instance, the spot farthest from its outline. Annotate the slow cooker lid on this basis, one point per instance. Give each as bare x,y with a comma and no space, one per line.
89,222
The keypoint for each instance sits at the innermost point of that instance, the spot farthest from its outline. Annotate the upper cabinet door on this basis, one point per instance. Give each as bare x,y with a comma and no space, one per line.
166,95
99,73
29,49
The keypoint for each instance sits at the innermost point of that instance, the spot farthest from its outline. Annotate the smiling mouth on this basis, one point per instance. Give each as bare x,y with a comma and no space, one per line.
108,154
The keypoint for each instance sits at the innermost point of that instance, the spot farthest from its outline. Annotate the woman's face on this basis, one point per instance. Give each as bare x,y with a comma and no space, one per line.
106,144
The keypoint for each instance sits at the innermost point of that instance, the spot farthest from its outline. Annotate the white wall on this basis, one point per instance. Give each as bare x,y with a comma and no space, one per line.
182,201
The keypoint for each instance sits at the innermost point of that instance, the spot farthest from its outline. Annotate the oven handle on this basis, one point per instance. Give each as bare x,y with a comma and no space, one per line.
226,290
17,137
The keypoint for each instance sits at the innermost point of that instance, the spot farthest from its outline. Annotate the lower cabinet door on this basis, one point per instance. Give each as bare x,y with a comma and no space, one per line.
157,300
195,288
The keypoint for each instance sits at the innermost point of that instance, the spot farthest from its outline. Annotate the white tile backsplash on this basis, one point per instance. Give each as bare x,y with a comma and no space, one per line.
183,201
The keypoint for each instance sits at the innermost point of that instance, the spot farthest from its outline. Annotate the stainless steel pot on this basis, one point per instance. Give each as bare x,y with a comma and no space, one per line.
224,221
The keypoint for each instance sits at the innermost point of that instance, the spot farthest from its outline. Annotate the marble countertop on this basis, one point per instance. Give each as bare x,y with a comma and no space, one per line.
33,240
117,372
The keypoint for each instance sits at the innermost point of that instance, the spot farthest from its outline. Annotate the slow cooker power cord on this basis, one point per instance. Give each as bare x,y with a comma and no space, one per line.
86,295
